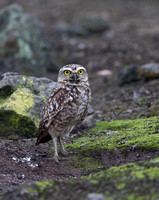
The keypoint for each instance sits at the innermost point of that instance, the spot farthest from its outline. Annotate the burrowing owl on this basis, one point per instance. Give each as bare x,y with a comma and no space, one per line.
66,107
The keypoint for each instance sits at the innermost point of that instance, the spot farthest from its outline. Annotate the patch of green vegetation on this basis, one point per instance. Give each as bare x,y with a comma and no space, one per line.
15,112
142,99
87,164
32,192
17,101
138,133
5,92
13,137
130,181
43,185
127,182
13,125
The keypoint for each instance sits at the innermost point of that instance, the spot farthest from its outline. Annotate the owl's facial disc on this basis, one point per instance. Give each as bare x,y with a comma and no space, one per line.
73,74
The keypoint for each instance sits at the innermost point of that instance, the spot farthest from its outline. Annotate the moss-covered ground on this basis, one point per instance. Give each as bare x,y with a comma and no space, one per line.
139,134
130,181
85,164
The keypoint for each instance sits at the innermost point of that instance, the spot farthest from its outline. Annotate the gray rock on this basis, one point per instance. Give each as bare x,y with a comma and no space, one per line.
73,29
149,71
95,24
95,196
84,27
23,47
136,73
128,74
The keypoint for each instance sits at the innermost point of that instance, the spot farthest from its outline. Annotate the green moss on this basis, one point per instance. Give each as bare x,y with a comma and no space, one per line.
15,113
21,102
127,182
86,164
121,186
43,185
17,101
13,124
32,192
130,181
13,137
24,78
45,99
5,92
140,133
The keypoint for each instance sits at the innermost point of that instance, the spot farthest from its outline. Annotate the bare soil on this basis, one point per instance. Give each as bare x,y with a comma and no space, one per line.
135,41
23,162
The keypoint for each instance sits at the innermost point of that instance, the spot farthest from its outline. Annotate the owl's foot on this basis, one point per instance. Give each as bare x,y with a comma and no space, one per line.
64,152
56,158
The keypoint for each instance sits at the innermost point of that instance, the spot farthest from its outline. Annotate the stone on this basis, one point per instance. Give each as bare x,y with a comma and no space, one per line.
21,103
23,46
95,24
71,30
149,71
83,27
136,73
105,73
95,196
128,74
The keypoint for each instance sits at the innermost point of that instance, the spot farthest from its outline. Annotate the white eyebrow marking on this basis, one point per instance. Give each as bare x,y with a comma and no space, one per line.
80,69
67,69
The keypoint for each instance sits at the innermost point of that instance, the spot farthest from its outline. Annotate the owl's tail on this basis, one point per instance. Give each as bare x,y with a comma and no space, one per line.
43,139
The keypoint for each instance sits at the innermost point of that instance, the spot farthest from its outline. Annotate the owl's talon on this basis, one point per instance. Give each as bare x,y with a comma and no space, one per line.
65,153
56,158
57,162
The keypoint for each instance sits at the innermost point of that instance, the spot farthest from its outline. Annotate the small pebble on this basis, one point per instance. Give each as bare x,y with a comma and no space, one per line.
95,196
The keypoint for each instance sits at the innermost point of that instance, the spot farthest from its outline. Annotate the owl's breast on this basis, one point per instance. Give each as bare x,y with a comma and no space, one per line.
74,111
80,103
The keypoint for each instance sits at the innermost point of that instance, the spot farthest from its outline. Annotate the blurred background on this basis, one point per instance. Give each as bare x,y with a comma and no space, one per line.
113,39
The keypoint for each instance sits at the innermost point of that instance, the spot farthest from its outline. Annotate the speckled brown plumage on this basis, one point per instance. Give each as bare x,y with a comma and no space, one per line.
66,107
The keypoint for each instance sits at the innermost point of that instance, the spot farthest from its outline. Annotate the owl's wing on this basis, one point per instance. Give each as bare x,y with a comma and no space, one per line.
54,105
85,113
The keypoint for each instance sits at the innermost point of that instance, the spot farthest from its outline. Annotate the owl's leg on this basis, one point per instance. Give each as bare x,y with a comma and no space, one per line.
56,157
63,151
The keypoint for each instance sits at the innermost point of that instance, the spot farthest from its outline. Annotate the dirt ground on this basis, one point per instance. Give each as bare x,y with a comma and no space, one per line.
132,39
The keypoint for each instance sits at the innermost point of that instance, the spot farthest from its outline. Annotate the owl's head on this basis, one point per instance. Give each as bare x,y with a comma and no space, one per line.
73,74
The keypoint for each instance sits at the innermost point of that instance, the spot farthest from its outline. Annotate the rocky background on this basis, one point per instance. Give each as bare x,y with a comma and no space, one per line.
116,149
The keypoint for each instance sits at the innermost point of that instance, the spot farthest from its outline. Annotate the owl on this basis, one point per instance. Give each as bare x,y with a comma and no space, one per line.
66,107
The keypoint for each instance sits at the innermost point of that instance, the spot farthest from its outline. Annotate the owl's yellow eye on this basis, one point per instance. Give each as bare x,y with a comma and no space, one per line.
80,71
67,72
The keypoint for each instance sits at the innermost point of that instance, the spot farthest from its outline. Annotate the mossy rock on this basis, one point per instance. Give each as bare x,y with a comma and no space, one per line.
13,125
126,182
21,103
23,46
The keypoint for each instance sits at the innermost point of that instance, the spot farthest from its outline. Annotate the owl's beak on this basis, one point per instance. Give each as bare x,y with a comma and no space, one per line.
74,78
